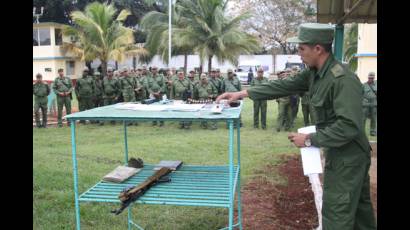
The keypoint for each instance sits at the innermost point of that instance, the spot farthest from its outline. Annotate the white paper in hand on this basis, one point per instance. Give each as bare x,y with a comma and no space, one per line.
311,161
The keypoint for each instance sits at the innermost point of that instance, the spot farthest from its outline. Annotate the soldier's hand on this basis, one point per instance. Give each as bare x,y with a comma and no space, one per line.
232,96
298,139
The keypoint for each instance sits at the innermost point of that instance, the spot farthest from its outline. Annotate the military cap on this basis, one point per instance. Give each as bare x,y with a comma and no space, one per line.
180,71
313,33
260,69
191,71
125,68
86,69
372,74
229,71
97,73
109,68
39,75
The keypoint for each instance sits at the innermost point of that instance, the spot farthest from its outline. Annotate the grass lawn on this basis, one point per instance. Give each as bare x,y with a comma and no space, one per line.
101,148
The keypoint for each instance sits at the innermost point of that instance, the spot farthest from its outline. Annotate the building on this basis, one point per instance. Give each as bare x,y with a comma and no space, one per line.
48,54
366,50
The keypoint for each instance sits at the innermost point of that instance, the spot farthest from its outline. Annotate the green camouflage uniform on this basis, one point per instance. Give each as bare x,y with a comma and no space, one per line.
98,92
178,89
370,105
111,91
334,92
84,89
40,91
284,120
156,84
63,85
232,85
205,91
216,83
259,105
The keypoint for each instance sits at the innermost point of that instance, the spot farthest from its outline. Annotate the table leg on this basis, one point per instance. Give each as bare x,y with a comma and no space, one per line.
231,192
74,153
126,142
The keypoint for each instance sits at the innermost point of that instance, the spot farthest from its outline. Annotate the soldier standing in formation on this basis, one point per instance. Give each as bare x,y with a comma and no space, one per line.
63,88
335,90
111,90
370,103
202,91
215,82
179,91
84,90
284,109
231,84
259,105
156,88
128,87
306,109
40,91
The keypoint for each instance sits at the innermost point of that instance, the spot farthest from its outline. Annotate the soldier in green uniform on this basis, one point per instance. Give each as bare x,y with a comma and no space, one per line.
294,99
259,105
191,78
111,90
156,87
231,84
142,82
205,90
182,90
284,120
63,88
40,91
84,89
335,94
98,92
370,103
219,75
129,87
215,82
168,80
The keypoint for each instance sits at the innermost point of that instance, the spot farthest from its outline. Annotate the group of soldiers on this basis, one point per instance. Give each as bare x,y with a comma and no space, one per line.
131,85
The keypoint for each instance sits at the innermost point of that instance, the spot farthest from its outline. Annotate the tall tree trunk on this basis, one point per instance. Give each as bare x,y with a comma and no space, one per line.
185,63
103,68
209,63
116,65
134,62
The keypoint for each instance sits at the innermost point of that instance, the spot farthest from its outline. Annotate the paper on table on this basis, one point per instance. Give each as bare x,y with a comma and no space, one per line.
173,107
311,161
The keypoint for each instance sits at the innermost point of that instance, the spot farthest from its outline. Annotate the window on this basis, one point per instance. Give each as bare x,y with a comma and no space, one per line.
70,66
44,36
59,37
35,37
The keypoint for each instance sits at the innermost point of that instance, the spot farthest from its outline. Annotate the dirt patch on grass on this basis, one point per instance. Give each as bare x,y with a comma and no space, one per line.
271,207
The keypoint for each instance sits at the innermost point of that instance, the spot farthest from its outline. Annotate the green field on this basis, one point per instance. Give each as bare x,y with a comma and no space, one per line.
100,149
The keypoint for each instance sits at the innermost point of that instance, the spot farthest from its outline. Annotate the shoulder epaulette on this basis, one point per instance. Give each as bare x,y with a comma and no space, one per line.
337,70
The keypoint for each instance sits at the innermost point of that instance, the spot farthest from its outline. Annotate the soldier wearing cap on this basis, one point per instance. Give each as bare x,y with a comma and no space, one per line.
259,105
335,91
284,119
111,90
156,87
84,90
191,78
294,99
370,102
142,82
168,80
218,74
214,81
182,90
231,84
63,88
205,90
40,91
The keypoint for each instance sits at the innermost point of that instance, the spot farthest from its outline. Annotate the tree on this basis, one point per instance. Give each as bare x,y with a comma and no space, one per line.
155,23
100,35
274,21
350,46
212,33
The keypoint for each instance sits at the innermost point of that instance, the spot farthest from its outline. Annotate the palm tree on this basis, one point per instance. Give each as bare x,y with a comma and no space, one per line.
156,25
212,33
101,36
351,47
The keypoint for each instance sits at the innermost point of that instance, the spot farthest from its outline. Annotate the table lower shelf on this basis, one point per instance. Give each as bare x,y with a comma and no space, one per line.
190,186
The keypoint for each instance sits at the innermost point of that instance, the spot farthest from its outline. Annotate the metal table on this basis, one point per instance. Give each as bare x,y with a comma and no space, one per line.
191,185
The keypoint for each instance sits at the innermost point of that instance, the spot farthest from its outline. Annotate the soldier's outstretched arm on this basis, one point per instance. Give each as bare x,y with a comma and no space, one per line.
232,96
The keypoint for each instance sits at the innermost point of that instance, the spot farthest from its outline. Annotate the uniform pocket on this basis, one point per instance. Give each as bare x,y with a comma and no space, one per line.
318,110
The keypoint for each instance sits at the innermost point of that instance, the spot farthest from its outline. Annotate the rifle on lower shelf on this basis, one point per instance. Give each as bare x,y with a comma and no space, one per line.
131,194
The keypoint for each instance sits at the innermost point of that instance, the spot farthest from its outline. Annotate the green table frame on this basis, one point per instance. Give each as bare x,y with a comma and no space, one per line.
191,185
